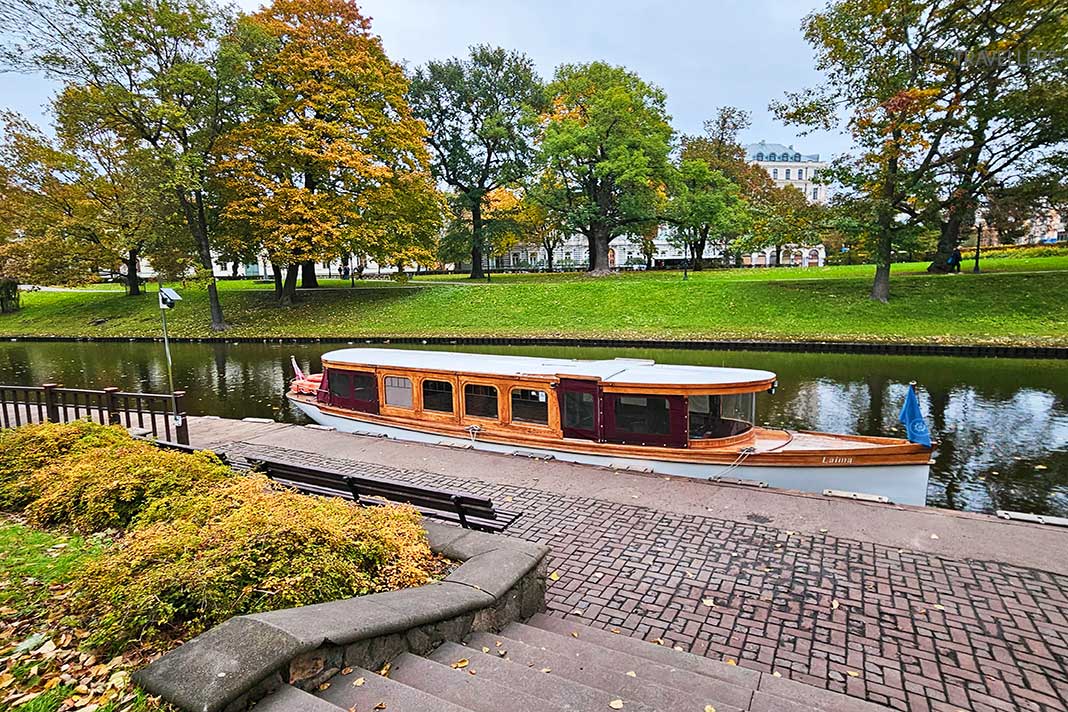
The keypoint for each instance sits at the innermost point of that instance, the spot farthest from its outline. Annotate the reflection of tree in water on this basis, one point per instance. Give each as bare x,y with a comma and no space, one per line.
996,419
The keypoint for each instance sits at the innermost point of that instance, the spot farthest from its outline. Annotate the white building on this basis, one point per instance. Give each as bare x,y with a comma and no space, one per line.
787,166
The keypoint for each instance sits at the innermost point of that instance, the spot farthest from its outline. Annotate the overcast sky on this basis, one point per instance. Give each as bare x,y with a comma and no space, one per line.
704,54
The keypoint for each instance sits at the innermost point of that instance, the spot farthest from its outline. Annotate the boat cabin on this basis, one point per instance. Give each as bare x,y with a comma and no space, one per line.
625,401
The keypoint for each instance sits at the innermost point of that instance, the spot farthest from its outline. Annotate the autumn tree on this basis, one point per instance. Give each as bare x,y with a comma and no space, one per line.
81,202
605,141
481,113
153,71
922,112
331,160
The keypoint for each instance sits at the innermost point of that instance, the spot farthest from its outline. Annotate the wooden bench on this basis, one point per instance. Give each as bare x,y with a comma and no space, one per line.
467,510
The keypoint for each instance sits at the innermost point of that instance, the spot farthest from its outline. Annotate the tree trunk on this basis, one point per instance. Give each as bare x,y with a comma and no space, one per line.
549,257
599,239
880,288
277,280
948,240
133,282
476,240
197,222
308,278
289,286
699,251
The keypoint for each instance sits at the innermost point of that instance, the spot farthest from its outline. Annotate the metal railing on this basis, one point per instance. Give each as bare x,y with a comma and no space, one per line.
160,414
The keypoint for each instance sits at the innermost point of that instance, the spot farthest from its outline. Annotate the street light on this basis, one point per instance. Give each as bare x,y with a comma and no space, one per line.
167,299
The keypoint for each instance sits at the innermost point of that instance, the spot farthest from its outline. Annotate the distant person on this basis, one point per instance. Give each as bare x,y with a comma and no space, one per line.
955,259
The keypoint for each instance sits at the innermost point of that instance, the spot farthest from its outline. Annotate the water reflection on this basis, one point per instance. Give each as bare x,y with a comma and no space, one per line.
1002,424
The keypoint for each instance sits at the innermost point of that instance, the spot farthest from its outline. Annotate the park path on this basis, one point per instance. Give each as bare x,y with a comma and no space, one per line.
860,599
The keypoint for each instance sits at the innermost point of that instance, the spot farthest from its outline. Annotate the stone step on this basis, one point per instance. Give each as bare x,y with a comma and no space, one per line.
773,693
616,682
377,690
289,699
463,686
733,674
582,650
565,695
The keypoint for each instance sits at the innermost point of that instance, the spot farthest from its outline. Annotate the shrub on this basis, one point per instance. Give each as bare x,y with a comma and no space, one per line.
242,547
25,450
108,487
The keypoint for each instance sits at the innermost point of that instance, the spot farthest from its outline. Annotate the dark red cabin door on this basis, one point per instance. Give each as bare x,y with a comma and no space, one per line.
580,408
639,419
355,390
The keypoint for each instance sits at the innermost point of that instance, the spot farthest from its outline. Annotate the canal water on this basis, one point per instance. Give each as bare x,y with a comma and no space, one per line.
1002,423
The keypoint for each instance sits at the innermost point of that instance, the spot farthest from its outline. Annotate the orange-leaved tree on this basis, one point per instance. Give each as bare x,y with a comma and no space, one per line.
332,161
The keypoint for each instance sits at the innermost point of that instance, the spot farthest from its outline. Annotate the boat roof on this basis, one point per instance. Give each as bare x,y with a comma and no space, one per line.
614,371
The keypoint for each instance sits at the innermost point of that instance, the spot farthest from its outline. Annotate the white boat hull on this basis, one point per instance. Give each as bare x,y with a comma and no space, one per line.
901,484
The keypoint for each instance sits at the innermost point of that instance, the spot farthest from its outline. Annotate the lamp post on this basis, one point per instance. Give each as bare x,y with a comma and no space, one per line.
167,299
978,241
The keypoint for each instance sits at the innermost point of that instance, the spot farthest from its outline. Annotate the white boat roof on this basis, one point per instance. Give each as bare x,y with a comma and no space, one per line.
617,370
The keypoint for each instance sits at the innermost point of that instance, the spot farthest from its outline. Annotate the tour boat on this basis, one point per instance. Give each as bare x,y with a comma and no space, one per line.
628,414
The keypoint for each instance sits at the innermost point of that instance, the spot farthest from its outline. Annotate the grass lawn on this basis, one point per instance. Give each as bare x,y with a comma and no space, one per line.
1013,301
41,665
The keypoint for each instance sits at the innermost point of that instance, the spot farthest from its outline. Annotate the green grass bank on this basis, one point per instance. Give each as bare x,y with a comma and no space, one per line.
1016,301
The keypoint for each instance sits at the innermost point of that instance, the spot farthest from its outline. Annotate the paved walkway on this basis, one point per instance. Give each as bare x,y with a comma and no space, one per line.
889,623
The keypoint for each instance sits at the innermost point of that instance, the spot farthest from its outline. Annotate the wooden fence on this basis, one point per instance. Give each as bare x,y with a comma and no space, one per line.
159,414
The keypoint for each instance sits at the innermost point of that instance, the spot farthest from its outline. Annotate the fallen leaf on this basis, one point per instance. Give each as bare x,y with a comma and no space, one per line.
631,673
485,649
380,706
574,634
710,708
824,531
501,653
834,605
708,602
346,671
939,607
731,661
546,670
852,673
776,674
461,663
324,686
554,576
934,536
616,704
384,672
358,682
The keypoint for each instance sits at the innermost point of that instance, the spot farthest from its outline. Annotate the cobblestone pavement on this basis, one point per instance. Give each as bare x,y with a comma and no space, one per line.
908,630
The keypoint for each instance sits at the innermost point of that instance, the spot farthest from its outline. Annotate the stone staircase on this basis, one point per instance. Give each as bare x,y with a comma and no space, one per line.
551,665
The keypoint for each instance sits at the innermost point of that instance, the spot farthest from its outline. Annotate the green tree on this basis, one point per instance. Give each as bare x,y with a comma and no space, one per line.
605,142
155,73
783,217
704,204
481,113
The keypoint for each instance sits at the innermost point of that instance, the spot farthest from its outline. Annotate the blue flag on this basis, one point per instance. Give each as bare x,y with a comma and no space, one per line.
912,419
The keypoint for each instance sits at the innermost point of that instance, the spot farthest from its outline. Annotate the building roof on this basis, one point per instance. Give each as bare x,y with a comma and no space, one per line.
608,371
777,150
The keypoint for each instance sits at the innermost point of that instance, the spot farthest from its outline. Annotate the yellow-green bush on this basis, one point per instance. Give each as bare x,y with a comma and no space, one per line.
108,487
25,450
241,547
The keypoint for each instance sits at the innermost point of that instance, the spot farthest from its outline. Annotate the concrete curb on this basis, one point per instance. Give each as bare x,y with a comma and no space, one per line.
847,347
236,663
